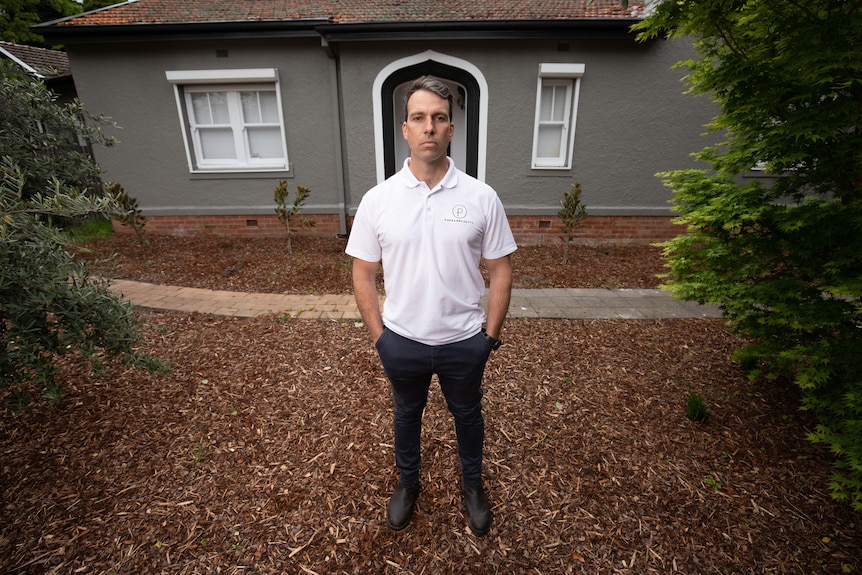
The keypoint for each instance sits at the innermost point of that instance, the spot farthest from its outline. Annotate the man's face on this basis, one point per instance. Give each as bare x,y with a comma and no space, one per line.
428,128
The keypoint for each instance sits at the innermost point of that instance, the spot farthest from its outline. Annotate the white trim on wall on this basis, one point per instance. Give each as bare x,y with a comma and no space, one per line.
221,76
418,59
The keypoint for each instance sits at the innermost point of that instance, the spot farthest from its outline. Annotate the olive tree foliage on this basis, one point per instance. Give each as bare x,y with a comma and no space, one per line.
49,303
781,256
46,139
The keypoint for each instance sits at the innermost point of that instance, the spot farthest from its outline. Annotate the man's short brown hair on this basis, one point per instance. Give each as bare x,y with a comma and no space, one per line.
429,84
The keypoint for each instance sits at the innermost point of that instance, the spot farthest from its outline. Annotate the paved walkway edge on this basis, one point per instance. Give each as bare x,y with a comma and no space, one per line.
525,303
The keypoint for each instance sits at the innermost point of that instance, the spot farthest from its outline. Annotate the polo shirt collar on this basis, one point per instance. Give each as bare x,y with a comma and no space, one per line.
449,180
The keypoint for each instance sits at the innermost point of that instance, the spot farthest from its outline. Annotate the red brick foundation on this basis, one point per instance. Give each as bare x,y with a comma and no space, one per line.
528,230
258,226
536,230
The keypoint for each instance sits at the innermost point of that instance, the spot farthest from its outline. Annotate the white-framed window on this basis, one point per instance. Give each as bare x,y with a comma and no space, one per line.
556,112
232,119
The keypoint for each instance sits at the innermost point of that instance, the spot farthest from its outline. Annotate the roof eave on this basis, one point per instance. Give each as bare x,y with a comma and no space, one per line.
59,32
588,28
67,34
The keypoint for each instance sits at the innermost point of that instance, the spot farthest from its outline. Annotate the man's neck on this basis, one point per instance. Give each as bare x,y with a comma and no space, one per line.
429,172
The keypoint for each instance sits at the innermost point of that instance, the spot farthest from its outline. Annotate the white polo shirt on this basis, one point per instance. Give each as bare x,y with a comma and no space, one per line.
430,243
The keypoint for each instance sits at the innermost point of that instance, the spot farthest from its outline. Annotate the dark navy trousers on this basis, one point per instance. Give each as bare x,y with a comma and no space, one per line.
409,366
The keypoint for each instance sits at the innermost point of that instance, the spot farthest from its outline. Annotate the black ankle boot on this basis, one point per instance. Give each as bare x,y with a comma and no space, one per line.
400,508
478,510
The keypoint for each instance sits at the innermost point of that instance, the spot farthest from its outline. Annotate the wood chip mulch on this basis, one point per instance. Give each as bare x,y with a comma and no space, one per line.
319,264
268,449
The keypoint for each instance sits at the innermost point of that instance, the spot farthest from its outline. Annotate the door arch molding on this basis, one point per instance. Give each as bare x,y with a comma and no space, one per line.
456,70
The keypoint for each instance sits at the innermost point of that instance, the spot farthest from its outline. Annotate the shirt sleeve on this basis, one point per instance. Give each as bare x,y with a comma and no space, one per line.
363,242
498,241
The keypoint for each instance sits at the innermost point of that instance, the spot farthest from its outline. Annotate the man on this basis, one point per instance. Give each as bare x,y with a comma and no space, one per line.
430,224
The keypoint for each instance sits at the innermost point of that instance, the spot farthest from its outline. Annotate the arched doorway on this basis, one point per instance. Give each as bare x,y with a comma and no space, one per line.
469,111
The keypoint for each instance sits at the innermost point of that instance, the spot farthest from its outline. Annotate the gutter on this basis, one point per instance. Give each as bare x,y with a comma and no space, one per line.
62,32
589,28
57,33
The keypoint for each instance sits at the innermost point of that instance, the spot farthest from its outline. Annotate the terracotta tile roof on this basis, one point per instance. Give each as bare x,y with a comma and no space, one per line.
351,11
48,63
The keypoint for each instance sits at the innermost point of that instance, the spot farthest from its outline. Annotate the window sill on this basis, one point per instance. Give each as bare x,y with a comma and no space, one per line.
240,175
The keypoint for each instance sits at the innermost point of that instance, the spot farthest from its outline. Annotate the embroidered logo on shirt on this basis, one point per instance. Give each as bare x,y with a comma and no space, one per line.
460,213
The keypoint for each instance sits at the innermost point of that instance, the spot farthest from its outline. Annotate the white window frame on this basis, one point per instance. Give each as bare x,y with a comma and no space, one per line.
232,82
569,76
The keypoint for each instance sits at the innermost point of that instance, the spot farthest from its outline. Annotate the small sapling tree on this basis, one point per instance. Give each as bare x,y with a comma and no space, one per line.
572,215
286,212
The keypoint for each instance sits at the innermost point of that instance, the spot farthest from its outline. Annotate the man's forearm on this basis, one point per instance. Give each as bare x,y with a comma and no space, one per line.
499,294
367,299
369,308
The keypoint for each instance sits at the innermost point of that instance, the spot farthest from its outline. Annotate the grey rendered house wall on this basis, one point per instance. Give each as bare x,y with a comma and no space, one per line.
633,119
128,84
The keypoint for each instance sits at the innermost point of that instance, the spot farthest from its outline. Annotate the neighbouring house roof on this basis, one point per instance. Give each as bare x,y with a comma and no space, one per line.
343,19
40,62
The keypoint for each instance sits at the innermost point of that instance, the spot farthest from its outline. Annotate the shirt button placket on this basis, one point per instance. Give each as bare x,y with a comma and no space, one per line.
427,209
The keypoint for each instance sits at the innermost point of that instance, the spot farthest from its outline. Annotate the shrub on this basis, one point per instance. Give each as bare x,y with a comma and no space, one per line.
45,138
50,306
695,407
782,258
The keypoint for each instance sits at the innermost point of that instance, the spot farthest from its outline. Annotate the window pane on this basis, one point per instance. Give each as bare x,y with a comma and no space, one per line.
559,103
250,107
269,107
218,105
547,110
201,109
553,104
217,144
265,143
550,140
